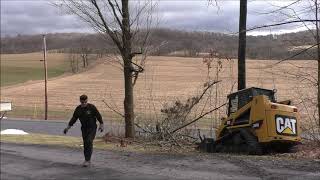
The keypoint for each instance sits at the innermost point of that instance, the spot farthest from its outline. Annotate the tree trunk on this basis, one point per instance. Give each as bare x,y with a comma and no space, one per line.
87,64
77,63
83,61
127,58
128,102
242,45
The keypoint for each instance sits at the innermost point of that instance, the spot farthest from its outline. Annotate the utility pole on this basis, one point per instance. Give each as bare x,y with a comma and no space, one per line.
45,78
318,57
242,45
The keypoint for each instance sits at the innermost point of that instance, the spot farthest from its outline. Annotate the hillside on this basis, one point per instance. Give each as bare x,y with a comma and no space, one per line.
176,43
165,80
19,68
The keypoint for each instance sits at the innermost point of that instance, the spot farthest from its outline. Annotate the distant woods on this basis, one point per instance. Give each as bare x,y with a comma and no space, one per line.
169,42
81,56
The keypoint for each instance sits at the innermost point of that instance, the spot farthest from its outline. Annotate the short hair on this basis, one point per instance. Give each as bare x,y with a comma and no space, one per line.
83,97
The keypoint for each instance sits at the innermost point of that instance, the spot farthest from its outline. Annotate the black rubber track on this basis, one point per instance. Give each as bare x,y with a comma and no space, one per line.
240,141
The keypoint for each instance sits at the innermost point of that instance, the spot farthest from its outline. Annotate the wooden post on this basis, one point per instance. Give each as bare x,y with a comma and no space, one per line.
242,45
45,78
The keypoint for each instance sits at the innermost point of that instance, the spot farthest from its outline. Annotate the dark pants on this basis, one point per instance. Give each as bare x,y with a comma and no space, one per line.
88,135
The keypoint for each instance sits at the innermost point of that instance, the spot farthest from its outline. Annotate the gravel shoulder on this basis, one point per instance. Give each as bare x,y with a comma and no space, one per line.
50,162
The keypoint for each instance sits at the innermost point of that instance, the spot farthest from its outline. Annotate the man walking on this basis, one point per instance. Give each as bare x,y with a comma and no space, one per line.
88,114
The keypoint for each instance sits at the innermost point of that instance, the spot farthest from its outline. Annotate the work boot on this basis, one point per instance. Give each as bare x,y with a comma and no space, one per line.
86,164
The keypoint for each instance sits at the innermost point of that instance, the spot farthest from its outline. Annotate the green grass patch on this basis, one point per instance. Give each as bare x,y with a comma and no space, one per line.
14,75
19,68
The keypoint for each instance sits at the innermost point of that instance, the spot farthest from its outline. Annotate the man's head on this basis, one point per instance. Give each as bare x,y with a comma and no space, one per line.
84,100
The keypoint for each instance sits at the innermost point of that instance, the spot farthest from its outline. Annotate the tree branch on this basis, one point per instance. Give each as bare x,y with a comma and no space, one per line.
198,118
281,8
112,108
115,13
279,24
108,30
288,58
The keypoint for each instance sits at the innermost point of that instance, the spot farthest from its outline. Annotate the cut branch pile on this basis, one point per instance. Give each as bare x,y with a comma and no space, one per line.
172,129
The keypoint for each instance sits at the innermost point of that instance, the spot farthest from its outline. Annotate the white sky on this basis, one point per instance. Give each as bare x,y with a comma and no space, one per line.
39,16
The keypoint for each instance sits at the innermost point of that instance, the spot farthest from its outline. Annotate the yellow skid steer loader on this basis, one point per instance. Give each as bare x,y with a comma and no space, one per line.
256,124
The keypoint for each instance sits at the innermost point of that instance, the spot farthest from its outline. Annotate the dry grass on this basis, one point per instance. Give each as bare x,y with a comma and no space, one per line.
32,60
76,142
165,79
307,150
42,139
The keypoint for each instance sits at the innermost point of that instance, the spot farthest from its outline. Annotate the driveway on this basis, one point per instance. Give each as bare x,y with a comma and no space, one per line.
50,162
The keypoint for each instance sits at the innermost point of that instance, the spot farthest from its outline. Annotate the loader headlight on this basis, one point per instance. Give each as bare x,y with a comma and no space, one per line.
257,124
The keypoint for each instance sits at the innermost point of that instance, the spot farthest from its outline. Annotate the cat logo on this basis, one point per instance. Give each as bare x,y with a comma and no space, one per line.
286,125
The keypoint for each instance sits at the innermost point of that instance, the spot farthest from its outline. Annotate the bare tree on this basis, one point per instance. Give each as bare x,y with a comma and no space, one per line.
311,9
84,52
73,58
295,13
121,21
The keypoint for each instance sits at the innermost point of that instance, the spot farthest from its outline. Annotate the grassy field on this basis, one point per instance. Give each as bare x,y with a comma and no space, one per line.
165,80
37,112
19,68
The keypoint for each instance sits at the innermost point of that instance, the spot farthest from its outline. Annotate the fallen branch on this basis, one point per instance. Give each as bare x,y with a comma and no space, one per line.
209,85
173,139
196,119
144,130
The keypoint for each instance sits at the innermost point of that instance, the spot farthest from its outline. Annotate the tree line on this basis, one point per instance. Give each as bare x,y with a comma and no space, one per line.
171,42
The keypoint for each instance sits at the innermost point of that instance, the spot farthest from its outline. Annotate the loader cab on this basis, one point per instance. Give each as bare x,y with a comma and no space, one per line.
239,99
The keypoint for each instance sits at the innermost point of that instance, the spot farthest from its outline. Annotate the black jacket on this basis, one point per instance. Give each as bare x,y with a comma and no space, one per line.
88,116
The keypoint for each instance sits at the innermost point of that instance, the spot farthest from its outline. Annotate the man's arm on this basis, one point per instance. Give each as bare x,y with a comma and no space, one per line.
98,115
74,117
99,118
72,121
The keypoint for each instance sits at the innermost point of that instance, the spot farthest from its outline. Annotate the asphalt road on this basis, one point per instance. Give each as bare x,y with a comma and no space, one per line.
56,127
48,127
49,162
44,163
